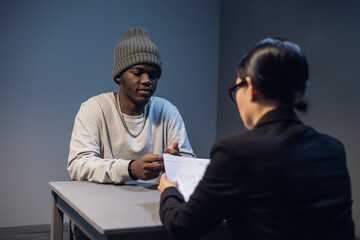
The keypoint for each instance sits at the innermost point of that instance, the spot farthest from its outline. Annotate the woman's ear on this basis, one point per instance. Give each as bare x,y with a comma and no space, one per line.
252,90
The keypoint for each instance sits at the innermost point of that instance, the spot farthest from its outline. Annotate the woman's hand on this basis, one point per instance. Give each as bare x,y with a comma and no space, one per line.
165,183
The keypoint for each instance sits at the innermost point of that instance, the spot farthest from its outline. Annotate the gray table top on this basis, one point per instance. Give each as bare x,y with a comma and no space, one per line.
110,207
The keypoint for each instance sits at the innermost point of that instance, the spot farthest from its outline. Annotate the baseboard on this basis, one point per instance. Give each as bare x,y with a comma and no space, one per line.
29,229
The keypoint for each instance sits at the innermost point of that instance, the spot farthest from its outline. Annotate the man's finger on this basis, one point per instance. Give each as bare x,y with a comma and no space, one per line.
170,151
153,158
175,146
154,166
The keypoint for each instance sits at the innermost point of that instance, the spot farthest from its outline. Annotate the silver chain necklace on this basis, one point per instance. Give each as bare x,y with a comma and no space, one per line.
124,122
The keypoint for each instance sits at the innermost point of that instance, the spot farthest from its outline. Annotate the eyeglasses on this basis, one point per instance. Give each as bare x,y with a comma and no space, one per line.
233,90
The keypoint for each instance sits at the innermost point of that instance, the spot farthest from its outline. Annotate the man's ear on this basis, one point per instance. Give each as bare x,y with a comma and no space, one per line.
253,91
118,80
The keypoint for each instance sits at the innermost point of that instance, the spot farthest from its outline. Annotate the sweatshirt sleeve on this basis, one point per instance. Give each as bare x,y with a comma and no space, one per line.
176,132
85,161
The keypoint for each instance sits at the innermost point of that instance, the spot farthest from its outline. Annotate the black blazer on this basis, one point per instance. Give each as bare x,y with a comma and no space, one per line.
281,180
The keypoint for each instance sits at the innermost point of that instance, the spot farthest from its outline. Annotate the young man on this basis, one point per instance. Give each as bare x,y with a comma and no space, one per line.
121,136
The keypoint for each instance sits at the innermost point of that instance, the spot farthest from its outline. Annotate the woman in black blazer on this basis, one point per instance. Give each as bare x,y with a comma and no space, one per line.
279,180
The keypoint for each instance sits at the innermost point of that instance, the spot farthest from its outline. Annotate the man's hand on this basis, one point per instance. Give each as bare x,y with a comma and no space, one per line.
147,167
174,150
165,183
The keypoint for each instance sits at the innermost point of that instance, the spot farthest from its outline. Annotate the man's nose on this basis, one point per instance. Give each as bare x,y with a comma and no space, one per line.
145,78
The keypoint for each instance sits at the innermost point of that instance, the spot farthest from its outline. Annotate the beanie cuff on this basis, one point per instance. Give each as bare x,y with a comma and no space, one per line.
135,59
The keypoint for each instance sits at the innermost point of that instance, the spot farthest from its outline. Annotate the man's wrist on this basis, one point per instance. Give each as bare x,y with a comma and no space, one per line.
130,171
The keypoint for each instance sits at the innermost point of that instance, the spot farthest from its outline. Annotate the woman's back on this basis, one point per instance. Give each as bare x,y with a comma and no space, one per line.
293,182
279,180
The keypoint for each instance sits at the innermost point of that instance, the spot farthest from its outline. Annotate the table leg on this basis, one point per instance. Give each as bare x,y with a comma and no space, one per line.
57,219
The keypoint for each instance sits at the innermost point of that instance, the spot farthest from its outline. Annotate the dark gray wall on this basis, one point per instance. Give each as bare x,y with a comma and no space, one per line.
56,54
329,34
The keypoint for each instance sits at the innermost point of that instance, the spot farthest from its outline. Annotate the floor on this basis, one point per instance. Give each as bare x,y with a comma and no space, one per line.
41,232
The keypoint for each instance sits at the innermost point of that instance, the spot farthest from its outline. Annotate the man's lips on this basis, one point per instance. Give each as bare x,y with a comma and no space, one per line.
145,91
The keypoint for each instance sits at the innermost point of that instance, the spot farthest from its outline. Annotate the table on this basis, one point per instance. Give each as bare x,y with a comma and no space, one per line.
107,211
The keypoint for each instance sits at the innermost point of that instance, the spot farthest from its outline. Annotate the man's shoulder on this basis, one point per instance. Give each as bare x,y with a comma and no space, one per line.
100,99
162,108
161,103
98,103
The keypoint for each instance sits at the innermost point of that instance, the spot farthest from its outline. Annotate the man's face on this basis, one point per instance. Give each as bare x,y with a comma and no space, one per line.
138,83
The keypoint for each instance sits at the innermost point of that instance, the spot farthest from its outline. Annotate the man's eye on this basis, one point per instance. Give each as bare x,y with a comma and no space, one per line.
152,76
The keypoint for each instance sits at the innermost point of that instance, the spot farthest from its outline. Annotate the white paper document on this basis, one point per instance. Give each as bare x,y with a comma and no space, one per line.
186,170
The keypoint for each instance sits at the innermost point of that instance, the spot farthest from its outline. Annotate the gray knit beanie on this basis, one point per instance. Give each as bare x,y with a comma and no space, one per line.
135,47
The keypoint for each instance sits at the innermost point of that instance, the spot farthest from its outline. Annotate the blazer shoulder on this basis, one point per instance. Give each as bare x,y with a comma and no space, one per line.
325,138
233,144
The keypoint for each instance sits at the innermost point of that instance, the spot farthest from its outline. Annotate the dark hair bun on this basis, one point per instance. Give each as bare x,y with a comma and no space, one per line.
300,103
279,70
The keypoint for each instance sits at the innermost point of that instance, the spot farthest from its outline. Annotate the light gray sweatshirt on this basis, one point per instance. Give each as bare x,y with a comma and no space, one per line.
100,147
